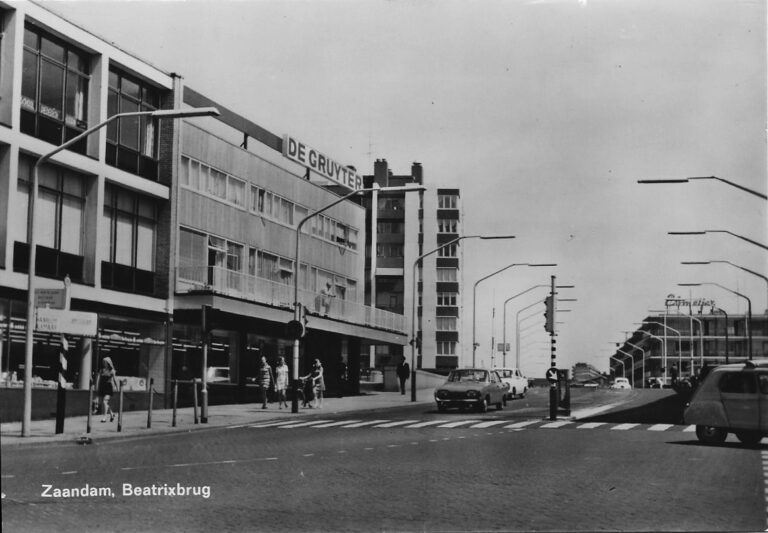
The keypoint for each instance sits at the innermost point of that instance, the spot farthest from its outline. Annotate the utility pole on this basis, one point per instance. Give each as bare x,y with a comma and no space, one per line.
550,326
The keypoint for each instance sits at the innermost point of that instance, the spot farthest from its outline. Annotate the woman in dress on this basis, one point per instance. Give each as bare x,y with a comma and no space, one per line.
106,384
281,382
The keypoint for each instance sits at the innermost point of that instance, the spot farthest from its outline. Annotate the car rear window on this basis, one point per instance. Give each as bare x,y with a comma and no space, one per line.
738,383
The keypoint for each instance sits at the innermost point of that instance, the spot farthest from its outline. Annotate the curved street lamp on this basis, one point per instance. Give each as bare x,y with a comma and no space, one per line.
31,237
686,180
761,276
761,245
413,297
474,296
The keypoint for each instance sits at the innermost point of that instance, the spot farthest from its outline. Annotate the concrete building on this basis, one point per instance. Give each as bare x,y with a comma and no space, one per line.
408,227
154,219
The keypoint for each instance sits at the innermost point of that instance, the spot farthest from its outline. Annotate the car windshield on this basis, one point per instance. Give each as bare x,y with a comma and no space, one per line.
468,375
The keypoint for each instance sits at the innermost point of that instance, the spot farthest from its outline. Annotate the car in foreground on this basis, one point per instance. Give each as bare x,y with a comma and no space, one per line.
518,383
732,398
621,384
472,387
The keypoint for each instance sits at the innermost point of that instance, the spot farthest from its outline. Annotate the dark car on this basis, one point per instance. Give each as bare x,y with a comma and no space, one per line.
472,387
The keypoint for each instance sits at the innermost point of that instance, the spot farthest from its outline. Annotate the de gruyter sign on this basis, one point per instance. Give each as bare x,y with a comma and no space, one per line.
318,162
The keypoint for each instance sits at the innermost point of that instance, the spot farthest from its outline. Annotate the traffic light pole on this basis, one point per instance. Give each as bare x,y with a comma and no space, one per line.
552,320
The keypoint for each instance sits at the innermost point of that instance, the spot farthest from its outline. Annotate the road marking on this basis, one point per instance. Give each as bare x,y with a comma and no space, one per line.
69,473
457,424
361,424
303,424
393,424
519,425
393,445
207,463
591,425
489,424
660,427
309,455
271,424
337,423
623,427
427,423
558,424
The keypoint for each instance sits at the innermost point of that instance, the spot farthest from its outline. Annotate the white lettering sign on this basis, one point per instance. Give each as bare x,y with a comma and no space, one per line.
322,164
69,322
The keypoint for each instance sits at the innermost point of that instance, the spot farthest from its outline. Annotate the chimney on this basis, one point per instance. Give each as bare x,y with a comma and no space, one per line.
417,173
381,172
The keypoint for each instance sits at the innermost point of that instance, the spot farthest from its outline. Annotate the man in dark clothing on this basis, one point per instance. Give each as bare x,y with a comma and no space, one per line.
403,372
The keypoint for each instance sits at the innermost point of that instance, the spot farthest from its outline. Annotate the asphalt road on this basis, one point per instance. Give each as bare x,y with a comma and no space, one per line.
410,469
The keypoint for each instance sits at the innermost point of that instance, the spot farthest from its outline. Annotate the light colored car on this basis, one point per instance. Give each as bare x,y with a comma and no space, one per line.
518,383
732,398
472,387
217,374
621,384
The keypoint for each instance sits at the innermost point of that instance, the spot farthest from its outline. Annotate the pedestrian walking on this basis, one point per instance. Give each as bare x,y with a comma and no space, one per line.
106,385
317,382
265,380
403,373
281,382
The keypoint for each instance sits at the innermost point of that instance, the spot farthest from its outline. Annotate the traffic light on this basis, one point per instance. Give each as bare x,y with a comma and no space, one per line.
549,314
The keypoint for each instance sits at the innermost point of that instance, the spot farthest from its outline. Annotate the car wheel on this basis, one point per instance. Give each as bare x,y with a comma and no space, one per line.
512,394
522,395
711,434
440,406
482,405
750,438
500,404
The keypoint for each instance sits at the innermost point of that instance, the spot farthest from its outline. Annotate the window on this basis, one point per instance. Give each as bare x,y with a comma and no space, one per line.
738,382
130,226
59,218
446,348
389,227
445,323
132,141
446,225
389,250
448,251
54,89
447,201
446,299
393,204
192,255
274,268
447,274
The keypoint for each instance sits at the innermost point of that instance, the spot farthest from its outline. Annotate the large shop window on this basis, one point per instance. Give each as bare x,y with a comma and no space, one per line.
132,141
59,221
54,89
130,233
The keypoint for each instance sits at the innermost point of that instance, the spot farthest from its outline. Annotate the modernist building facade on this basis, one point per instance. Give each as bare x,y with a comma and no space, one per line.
153,219
676,344
406,249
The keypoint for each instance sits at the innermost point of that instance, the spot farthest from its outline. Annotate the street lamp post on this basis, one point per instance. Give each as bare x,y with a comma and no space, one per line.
761,276
474,296
726,332
686,180
679,344
31,237
749,308
636,347
623,368
413,297
296,270
504,324
743,238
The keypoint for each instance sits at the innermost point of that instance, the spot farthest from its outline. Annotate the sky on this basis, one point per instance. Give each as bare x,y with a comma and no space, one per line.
545,113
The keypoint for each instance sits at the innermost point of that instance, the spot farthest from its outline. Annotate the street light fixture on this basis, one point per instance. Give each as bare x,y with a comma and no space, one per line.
636,347
679,342
413,297
297,255
504,326
761,276
623,367
749,308
761,245
474,296
686,180
31,237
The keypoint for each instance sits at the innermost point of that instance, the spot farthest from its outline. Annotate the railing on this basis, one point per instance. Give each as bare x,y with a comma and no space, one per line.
253,288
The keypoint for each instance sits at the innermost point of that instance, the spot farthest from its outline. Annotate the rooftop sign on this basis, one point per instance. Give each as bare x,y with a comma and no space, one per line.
320,163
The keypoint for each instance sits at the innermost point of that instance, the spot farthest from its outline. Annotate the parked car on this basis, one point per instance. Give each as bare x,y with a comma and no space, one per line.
217,374
472,387
655,383
518,383
732,398
621,383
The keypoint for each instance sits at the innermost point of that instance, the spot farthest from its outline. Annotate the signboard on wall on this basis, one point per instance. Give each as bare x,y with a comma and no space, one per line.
64,321
316,161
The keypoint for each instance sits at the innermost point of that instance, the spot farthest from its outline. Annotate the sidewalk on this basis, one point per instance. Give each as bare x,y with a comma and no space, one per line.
134,423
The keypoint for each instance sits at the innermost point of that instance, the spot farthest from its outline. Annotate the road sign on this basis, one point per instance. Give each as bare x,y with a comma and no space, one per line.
552,375
70,322
53,298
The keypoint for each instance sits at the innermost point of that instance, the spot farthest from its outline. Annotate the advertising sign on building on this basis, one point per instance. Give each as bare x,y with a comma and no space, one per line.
53,298
320,163
68,322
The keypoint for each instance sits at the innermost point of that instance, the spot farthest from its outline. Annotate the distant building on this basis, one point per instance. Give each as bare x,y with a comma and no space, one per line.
409,225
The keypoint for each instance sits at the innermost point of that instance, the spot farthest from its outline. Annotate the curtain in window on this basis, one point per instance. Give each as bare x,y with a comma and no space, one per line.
124,240
71,225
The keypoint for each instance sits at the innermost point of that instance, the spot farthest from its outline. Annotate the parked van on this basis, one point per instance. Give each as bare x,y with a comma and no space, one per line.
732,398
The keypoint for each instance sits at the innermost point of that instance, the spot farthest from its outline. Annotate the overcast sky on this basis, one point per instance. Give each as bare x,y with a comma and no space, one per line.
544,112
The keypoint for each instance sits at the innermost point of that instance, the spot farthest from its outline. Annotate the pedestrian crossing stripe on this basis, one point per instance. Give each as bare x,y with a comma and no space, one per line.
464,424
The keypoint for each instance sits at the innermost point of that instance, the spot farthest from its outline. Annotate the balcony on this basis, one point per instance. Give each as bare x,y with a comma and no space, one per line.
221,281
